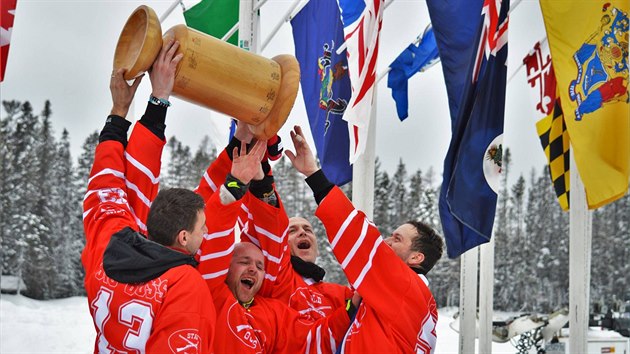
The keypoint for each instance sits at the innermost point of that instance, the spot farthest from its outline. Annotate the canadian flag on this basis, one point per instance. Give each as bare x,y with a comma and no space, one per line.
7,14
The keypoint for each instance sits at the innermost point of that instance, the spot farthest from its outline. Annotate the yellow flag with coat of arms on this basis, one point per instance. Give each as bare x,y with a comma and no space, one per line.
589,46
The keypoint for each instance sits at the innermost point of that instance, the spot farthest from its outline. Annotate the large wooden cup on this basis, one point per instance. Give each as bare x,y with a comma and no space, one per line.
219,75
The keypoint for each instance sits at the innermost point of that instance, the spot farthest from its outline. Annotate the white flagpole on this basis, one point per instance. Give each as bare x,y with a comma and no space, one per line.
486,296
468,301
248,26
363,168
580,235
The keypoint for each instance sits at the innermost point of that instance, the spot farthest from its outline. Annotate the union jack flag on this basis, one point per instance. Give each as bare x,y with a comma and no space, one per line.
362,21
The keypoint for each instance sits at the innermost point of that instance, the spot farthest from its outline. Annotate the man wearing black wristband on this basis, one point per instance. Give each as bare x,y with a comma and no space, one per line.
144,294
398,313
291,273
249,319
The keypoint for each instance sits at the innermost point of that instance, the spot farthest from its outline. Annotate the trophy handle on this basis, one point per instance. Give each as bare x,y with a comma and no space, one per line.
139,43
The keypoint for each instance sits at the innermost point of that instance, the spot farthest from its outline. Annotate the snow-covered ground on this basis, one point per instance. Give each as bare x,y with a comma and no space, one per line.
65,326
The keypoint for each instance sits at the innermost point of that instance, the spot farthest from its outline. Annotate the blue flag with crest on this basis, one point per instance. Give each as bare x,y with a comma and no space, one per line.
413,59
473,54
317,33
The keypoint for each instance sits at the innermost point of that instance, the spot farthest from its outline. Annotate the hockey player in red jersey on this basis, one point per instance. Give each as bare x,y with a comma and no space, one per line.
290,253
248,322
398,313
144,295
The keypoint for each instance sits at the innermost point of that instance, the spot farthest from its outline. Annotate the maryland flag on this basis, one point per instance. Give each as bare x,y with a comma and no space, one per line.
551,129
589,46
554,139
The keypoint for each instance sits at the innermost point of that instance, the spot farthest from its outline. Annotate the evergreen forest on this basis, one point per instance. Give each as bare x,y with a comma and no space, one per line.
41,231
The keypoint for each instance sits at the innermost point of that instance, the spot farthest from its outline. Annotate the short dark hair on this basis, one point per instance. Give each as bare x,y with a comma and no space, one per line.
173,210
429,243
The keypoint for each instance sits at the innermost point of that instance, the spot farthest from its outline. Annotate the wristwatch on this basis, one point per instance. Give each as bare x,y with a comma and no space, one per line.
159,101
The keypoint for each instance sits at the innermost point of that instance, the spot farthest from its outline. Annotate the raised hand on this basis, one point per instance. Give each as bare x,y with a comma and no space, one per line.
246,166
162,73
122,93
303,160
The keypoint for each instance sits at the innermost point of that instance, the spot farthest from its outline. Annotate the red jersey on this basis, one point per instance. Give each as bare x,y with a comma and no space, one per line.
398,313
142,172
268,325
268,229
172,312
214,176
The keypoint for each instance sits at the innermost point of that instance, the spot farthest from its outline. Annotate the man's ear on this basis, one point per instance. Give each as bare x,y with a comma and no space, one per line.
182,239
415,259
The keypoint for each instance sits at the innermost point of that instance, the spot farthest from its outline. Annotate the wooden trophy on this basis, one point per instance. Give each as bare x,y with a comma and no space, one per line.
213,73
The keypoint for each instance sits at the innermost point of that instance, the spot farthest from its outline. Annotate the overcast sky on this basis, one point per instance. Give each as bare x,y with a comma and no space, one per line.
63,51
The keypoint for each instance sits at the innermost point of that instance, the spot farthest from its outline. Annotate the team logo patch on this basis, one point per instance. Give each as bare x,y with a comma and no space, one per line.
185,341
113,195
309,303
240,327
602,65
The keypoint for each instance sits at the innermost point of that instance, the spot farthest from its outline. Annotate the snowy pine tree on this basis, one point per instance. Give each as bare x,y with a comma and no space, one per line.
8,244
205,154
400,211
382,201
67,226
415,196
179,168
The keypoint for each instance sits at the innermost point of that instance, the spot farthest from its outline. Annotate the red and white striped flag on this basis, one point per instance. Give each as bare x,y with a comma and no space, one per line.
362,21
7,14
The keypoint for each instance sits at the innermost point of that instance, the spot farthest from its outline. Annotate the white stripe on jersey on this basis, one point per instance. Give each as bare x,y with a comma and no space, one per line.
318,335
85,213
139,193
269,235
209,181
308,343
343,228
246,210
206,257
356,245
214,275
139,222
271,258
333,347
107,171
145,170
368,265
253,240
218,234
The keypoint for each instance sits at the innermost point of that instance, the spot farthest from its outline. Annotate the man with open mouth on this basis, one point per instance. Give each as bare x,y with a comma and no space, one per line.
398,313
248,321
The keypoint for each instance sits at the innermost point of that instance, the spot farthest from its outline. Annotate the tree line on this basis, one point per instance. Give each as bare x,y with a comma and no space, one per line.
41,231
